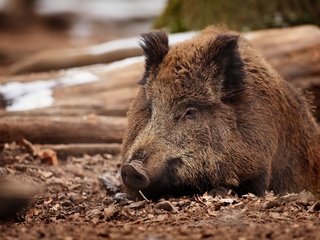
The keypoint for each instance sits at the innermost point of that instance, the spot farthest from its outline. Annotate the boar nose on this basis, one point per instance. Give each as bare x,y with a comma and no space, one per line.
134,176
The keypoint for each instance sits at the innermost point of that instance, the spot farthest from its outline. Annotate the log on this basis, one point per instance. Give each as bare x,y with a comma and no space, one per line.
311,87
293,52
290,54
109,103
103,72
110,92
74,57
282,48
296,58
68,58
62,130
119,110
78,150
123,76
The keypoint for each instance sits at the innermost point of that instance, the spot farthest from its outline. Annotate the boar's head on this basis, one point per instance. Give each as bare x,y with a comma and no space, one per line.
182,136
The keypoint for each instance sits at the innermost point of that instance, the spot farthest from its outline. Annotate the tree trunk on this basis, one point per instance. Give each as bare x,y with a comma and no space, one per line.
189,15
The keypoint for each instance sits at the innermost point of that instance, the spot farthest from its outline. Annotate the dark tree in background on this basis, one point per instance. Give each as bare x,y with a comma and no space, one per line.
183,15
17,14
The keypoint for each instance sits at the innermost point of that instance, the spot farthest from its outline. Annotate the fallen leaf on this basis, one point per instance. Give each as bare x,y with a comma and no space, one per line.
212,212
48,156
137,204
110,211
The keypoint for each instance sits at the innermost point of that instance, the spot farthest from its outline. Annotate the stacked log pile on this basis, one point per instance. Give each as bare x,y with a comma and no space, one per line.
91,117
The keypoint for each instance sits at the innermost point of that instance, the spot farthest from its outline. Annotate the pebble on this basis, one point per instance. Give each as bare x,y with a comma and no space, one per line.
271,204
167,206
121,197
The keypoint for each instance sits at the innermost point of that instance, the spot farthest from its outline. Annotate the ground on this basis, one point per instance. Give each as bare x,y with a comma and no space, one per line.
79,198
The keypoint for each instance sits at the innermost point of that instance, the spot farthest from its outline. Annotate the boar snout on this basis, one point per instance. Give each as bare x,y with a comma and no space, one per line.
134,176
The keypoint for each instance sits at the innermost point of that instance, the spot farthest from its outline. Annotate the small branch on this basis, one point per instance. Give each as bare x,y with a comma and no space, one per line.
143,196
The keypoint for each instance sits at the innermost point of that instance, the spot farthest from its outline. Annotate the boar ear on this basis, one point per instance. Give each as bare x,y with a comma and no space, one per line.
223,52
155,46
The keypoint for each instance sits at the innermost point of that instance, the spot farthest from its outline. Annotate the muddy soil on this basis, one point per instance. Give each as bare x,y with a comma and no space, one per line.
79,198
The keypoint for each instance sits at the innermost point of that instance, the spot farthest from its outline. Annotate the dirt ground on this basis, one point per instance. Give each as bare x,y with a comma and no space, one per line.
80,199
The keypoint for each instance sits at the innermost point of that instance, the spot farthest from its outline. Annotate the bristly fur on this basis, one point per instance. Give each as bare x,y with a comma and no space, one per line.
155,46
214,114
224,52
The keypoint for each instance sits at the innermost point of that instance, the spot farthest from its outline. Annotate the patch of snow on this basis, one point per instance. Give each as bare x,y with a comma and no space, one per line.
31,100
114,45
75,77
38,94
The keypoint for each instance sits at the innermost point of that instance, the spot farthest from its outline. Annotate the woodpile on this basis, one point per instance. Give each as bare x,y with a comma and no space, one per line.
90,117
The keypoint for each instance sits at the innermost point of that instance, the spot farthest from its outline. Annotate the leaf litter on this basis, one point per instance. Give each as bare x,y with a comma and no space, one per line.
81,198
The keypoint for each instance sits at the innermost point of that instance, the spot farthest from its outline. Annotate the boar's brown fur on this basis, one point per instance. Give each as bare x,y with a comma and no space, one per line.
212,113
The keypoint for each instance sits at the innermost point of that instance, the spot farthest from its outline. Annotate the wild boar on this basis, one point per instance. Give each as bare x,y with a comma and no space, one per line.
212,113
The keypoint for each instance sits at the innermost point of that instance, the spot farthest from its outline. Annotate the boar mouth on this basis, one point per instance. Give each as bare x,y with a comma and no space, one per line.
159,189
165,184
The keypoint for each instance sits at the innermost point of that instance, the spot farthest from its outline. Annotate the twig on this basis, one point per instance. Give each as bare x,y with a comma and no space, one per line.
143,196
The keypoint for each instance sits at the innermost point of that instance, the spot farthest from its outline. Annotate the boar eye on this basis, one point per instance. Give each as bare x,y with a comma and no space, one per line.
191,113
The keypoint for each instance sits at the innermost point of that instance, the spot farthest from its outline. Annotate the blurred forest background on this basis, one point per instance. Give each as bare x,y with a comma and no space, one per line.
50,24
178,15
184,15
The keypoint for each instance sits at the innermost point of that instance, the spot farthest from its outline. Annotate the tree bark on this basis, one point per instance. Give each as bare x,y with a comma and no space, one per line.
292,55
78,150
62,130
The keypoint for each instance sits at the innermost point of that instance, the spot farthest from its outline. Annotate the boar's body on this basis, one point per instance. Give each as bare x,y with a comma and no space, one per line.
212,113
